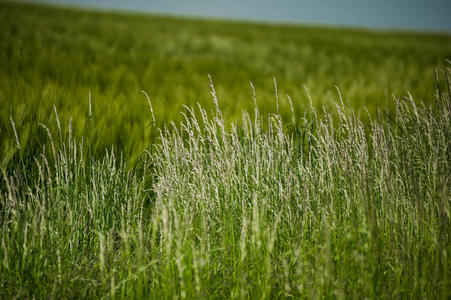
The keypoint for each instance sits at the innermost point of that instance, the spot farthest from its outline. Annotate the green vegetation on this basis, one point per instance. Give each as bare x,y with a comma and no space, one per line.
335,211
52,56
280,200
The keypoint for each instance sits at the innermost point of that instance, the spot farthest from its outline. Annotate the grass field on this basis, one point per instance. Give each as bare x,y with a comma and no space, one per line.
260,193
52,56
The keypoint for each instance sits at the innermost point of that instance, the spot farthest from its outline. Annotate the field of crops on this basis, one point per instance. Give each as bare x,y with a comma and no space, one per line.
56,57
316,165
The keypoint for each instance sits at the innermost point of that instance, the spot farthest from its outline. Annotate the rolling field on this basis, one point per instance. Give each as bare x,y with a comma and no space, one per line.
51,56
294,189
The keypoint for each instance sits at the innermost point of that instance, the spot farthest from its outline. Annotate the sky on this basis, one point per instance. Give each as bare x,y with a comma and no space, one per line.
424,15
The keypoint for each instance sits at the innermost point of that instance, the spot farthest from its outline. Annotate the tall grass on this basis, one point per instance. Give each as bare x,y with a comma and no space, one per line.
313,208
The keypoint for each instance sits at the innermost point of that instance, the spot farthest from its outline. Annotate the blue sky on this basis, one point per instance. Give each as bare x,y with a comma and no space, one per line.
426,15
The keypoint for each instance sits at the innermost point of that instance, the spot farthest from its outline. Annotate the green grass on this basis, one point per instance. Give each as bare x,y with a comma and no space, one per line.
54,56
337,210
250,195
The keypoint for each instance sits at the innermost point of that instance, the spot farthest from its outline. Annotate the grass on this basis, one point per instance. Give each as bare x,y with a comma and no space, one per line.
265,192
334,210
57,56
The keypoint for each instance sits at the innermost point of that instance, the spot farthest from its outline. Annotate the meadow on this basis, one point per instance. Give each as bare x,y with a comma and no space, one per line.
56,57
312,163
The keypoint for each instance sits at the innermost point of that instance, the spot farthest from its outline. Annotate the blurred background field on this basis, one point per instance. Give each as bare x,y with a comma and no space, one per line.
53,56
